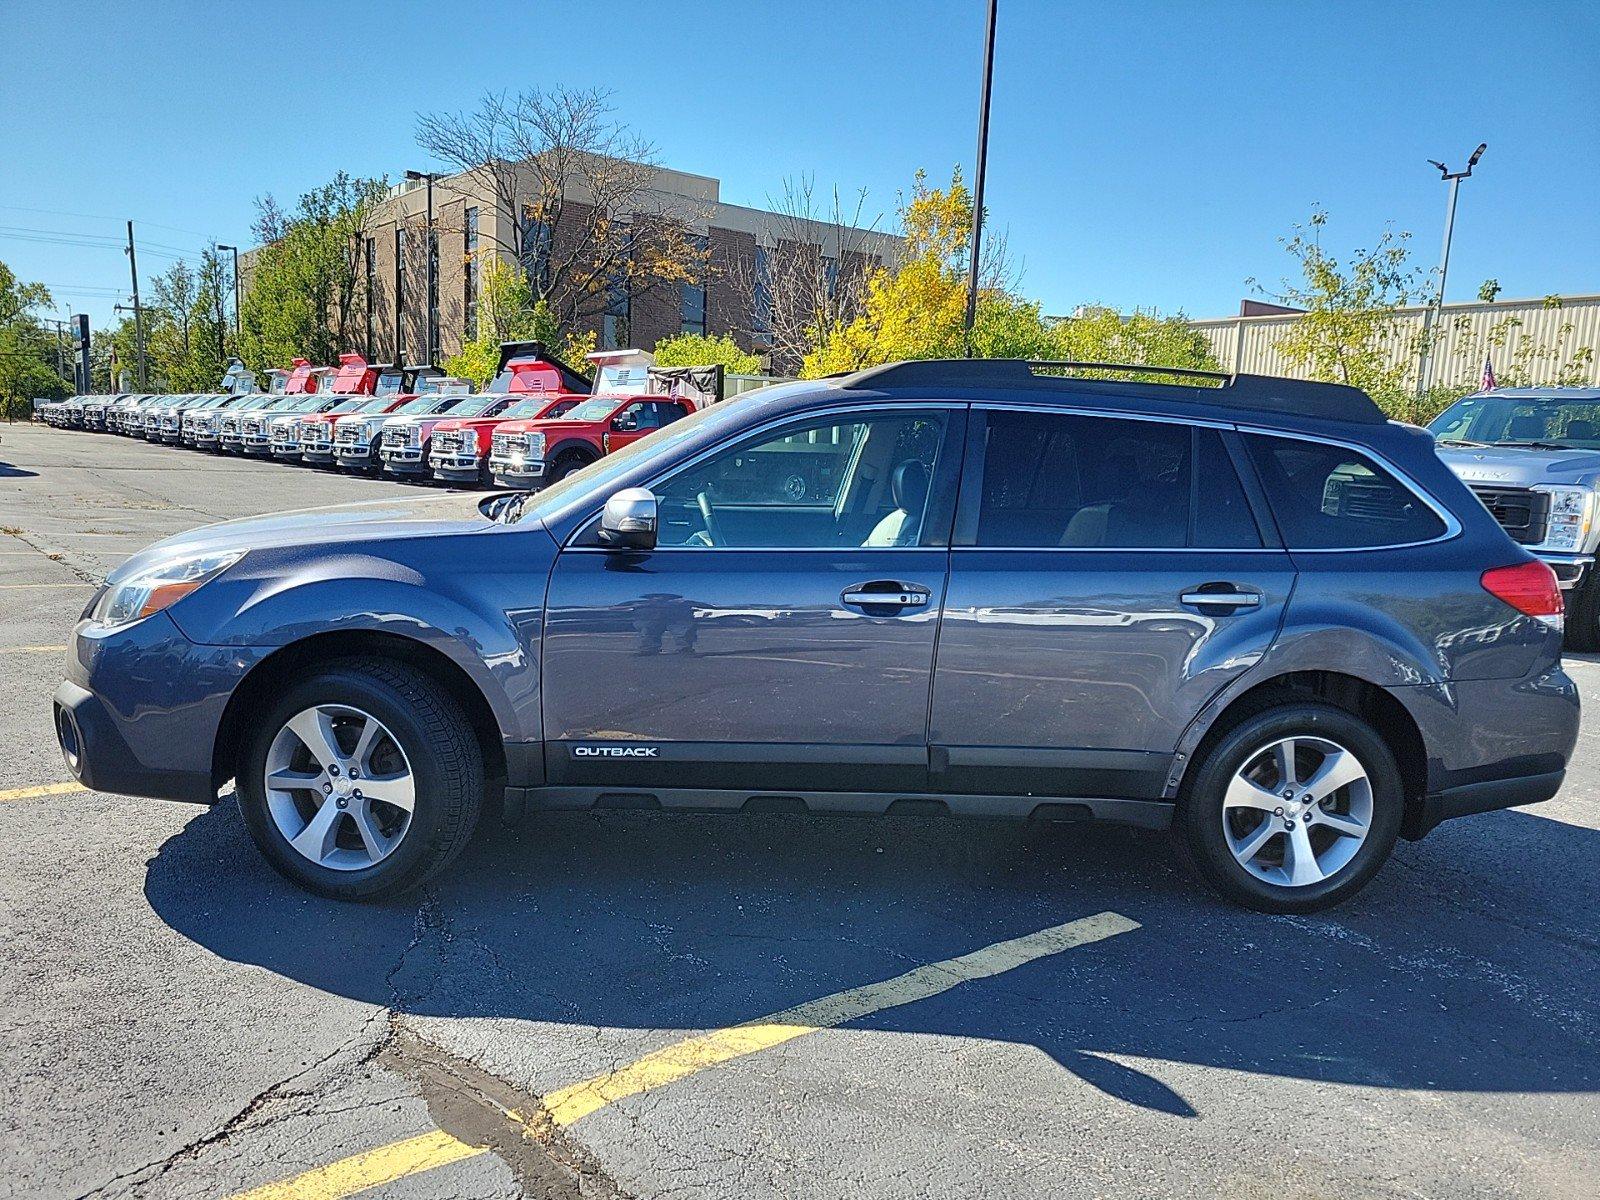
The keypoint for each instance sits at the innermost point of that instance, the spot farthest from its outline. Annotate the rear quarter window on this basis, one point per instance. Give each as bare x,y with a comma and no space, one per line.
1327,497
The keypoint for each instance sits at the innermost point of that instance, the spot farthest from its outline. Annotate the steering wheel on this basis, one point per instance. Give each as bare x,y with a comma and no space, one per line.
708,518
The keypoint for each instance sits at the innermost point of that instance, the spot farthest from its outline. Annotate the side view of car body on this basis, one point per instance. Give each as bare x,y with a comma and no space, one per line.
1254,612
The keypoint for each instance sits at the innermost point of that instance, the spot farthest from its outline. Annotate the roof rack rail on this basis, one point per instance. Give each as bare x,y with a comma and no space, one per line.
1253,393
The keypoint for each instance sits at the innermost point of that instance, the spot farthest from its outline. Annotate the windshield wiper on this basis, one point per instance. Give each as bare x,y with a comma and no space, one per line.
1461,442
1537,444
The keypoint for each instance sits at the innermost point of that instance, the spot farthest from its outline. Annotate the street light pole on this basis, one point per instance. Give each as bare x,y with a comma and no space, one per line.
238,329
978,180
432,250
1435,313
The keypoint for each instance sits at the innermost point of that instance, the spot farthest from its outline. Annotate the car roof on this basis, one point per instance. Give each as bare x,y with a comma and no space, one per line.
1541,393
1207,395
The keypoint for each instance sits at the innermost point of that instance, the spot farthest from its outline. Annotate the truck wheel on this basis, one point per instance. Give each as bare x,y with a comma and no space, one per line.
1583,613
566,464
363,780
1293,810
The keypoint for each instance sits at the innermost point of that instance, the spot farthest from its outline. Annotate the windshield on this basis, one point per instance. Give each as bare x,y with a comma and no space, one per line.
592,410
477,405
531,407
622,381
422,404
1552,421
354,404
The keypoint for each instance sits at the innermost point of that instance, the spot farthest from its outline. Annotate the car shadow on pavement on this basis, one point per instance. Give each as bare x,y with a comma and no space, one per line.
1441,976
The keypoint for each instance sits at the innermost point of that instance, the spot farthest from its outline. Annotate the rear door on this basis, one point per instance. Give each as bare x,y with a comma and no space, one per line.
1109,575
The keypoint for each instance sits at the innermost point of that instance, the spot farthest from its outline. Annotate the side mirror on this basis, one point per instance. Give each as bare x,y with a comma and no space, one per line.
629,520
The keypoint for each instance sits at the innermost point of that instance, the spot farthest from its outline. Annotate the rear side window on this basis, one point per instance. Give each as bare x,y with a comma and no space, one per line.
1331,498
1085,482
1062,479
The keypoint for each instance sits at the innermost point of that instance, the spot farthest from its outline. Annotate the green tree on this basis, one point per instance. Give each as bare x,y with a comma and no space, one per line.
306,285
916,308
27,348
508,312
1350,332
1099,334
698,350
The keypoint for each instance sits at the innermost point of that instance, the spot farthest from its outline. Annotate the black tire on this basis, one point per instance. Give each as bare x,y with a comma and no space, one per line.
1198,824
566,464
446,763
1583,614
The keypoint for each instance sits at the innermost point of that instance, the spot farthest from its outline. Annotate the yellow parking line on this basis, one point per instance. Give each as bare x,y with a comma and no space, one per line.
692,1055
31,649
74,583
47,789
372,1169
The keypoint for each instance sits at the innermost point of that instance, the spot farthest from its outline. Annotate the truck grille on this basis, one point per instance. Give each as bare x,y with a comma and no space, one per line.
448,442
1522,512
351,435
282,435
505,443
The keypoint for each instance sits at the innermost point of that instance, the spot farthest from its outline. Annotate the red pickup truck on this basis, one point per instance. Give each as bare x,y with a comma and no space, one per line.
631,398
536,383
355,383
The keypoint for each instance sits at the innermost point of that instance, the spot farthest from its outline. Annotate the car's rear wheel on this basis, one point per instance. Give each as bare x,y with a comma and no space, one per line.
1292,810
364,779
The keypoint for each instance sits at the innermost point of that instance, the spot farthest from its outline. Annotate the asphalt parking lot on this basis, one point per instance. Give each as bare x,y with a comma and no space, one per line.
632,1004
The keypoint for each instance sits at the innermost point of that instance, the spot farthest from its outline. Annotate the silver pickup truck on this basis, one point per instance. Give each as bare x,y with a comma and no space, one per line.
1532,455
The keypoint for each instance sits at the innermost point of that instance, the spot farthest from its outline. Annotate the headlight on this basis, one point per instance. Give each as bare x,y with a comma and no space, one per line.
414,436
155,588
535,445
1571,513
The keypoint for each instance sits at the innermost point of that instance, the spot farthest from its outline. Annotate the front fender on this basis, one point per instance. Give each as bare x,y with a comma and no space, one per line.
486,618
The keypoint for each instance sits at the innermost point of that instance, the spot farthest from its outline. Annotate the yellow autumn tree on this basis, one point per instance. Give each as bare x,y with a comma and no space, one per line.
915,308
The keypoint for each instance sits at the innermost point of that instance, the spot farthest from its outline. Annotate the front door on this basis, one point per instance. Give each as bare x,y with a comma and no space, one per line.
1109,576
780,636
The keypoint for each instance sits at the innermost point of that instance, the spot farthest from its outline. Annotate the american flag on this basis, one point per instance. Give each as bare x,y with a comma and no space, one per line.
1488,375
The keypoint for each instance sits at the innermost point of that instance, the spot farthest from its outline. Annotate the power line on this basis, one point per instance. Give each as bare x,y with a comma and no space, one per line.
52,212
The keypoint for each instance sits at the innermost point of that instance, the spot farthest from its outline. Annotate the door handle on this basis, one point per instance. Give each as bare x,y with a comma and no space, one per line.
885,593
1221,595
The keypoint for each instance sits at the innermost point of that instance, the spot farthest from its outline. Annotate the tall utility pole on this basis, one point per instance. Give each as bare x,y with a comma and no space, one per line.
432,251
237,328
977,183
138,314
1435,313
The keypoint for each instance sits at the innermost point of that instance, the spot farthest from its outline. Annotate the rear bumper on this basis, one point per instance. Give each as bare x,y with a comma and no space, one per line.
1491,743
1468,798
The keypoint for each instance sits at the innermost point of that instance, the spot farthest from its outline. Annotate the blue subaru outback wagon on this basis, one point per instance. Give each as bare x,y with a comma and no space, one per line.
1249,609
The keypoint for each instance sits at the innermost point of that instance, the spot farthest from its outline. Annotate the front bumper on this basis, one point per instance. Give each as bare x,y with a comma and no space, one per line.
404,460
456,468
257,444
140,707
517,472
318,453
286,450
357,457
1570,569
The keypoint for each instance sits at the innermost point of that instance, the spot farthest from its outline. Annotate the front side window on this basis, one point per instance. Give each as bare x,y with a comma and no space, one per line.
1327,497
862,481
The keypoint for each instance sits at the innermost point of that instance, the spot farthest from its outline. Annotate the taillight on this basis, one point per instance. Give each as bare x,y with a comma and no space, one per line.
1530,588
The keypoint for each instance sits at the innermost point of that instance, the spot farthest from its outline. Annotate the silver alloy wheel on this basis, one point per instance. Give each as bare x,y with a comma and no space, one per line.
339,787
1297,811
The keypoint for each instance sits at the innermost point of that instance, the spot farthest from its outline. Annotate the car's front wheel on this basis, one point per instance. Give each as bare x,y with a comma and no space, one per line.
363,779
1292,810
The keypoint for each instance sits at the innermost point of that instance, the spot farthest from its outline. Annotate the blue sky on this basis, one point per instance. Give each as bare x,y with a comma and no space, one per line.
1142,153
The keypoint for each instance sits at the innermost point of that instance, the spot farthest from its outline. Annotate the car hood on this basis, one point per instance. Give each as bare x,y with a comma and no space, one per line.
367,521
1516,466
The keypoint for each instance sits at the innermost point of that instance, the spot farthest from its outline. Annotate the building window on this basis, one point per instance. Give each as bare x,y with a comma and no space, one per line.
830,268
470,254
693,308
372,293
616,322
761,302
433,294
